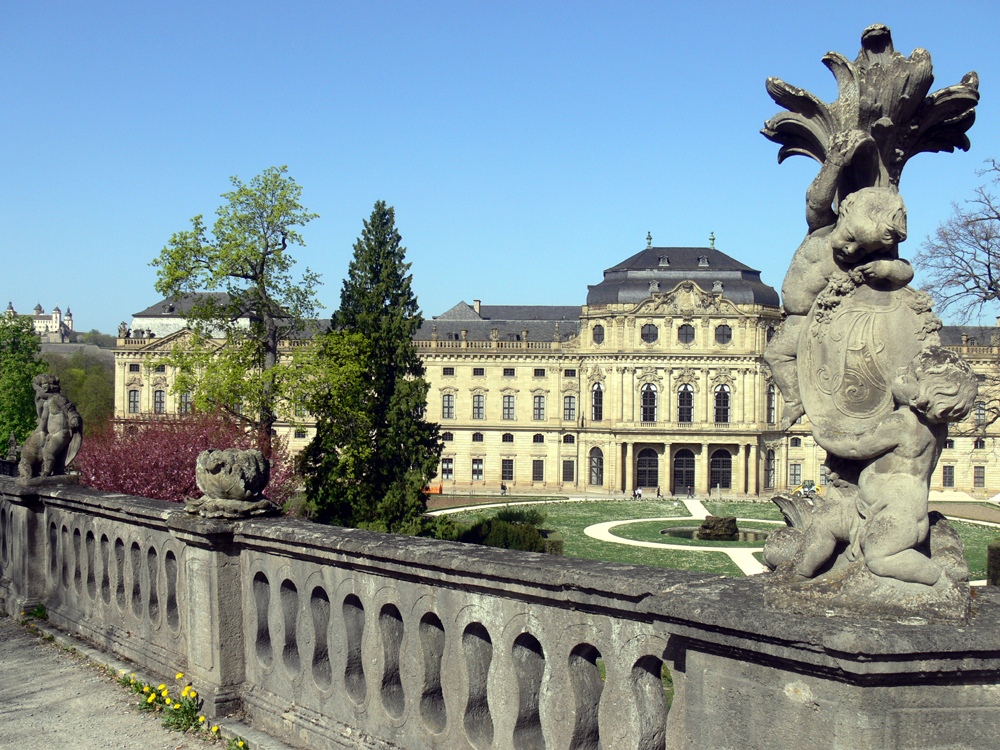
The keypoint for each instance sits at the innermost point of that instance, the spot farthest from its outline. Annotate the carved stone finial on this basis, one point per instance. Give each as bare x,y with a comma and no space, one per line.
649,239
711,240
233,481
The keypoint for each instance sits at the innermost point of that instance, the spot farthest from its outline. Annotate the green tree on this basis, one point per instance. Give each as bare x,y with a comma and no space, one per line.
386,451
19,347
89,382
246,259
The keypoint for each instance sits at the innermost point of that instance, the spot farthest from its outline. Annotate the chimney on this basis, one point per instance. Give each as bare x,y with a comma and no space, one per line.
475,305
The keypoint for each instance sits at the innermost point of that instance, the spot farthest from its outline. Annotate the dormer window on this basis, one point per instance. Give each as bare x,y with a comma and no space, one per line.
664,261
703,260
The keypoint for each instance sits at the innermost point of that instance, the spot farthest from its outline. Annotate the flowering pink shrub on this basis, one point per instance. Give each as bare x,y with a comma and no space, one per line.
156,457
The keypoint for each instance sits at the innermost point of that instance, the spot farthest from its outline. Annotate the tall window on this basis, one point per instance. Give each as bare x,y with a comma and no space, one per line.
650,333
772,416
568,471
478,406
948,476
598,334
507,470
722,404
794,475
508,406
979,476
647,467
979,412
184,403
685,403
539,408
648,400
685,334
477,470
721,470
824,475
723,334
770,469
448,406
159,402
448,468
133,402
538,470
596,467
569,408
597,403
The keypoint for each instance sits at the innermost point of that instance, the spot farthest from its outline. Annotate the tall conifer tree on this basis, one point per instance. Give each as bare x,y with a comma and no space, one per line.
377,483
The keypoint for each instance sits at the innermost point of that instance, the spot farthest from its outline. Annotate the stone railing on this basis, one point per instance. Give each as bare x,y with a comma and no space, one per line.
349,639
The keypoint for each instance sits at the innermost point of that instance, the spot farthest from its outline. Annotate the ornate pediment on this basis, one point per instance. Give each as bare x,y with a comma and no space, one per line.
648,375
723,377
134,381
687,376
185,338
595,374
159,382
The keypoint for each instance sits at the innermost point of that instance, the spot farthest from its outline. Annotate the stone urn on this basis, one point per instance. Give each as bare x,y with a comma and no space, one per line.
233,481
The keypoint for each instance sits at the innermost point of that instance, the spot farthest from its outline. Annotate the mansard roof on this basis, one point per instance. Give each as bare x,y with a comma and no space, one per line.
629,281
176,306
975,335
510,321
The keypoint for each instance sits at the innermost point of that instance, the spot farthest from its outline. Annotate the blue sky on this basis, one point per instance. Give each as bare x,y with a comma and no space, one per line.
526,146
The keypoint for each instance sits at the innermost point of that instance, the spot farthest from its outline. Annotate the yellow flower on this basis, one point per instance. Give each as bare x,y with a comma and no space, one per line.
151,698
215,729
146,689
240,743
161,687
193,694
176,706
179,675
132,675
201,719
185,691
165,693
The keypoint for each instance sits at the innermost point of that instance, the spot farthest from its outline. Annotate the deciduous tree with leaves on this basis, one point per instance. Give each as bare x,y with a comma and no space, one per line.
246,258
374,451
19,347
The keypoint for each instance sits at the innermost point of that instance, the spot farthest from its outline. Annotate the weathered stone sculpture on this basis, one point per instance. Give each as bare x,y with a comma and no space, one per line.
56,439
233,481
858,352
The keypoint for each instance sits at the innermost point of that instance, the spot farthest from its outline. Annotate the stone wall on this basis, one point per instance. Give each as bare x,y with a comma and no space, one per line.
338,638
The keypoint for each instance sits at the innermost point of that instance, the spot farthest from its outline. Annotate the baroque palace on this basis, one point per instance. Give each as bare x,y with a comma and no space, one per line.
657,382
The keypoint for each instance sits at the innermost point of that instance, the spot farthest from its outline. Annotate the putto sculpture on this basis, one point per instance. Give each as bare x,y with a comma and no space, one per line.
233,481
56,439
858,353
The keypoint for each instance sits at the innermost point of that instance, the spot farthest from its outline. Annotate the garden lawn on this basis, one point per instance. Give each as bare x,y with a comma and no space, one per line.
649,531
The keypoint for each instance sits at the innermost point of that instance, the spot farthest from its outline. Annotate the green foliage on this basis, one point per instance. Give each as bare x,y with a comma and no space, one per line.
95,337
531,516
383,450
19,347
492,532
245,266
89,382
39,612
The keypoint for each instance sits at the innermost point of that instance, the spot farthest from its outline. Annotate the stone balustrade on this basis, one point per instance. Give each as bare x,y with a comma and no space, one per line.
342,638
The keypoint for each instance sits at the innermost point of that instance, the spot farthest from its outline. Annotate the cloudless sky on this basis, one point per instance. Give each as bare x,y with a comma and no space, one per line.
526,146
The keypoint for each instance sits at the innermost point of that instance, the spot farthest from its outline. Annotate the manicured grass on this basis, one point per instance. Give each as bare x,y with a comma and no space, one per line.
649,531
744,510
975,538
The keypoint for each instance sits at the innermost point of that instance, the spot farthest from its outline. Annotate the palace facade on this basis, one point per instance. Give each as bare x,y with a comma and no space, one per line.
658,382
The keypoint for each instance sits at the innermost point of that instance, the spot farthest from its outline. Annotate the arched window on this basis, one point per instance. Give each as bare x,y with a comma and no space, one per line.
507,437
447,437
722,470
772,416
650,333
538,411
722,404
598,334
569,439
597,403
685,403
723,334
538,438
448,406
647,468
649,403
685,334
770,469
949,444
683,472
596,467
477,437
795,442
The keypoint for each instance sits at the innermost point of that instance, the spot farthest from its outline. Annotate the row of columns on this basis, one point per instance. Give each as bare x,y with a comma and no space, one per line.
745,462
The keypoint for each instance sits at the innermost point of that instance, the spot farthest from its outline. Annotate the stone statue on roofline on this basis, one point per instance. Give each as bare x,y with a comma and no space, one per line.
56,439
858,353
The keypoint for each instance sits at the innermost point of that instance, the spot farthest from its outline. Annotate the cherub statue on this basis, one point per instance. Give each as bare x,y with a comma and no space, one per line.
58,434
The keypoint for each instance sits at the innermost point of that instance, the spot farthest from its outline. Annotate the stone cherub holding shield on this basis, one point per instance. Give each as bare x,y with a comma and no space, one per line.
58,433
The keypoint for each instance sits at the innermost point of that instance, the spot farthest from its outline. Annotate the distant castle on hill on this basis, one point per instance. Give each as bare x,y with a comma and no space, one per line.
53,328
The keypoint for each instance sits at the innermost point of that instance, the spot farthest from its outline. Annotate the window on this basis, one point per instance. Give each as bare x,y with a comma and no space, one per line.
597,403
508,372
538,470
596,467
770,469
447,468
569,408
722,404
770,335
650,333
448,372
979,444
569,473
771,407
647,467
598,334
508,406
795,442
824,475
507,470
685,403
160,368
133,401
538,438
948,476
507,437
477,437
569,373
159,402
539,408
979,476
949,444
794,475
184,403
448,406
979,412
447,437
477,470
299,433
133,368
723,334
478,372
721,470
478,406
539,372
685,334
569,439
300,411
648,400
